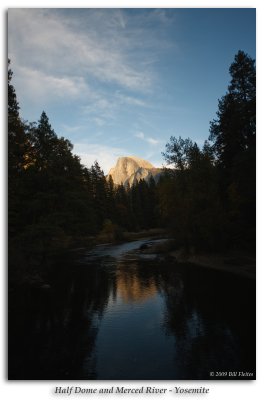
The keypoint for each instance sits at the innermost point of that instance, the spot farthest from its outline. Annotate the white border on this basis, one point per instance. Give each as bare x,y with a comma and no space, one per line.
218,390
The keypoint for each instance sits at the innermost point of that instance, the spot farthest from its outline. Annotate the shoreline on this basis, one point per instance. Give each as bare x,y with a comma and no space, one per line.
235,263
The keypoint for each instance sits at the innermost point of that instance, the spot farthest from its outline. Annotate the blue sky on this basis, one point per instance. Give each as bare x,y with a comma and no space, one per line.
120,82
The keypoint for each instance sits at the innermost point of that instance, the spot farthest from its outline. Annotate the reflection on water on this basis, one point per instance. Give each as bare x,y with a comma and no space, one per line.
132,289
116,315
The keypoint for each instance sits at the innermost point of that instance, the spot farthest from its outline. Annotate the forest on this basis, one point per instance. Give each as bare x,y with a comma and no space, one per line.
206,200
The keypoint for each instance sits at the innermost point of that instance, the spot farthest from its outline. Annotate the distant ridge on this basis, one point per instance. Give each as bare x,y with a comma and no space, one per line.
130,169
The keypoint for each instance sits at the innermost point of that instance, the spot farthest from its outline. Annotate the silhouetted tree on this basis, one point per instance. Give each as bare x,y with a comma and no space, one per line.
234,130
17,139
234,136
189,195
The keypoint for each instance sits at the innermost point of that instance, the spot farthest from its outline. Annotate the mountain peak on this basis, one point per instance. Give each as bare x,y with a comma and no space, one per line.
131,169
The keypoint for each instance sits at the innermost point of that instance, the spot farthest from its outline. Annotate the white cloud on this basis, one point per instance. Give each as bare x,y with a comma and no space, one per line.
35,84
152,141
147,139
121,19
140,135
71,129
100,60
134,101
99,108
103,108
54,42
106,156
99,121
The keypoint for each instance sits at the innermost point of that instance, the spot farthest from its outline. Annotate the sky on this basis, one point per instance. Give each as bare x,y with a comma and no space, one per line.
120,82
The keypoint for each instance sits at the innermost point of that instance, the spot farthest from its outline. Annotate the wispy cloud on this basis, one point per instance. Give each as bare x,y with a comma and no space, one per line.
148,139
105,155
140,135
98,121
103,108
130,100
70,128
54,42
43,86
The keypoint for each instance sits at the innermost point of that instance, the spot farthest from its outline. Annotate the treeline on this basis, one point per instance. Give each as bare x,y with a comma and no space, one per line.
209,198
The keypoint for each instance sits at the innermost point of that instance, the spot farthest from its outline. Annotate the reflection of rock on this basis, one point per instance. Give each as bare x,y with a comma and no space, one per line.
131,288
129,170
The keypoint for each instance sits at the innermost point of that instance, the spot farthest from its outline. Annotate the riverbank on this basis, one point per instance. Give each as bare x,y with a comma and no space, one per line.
233,262
238,263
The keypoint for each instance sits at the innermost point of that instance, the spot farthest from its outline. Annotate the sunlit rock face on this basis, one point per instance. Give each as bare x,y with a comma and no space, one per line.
129,170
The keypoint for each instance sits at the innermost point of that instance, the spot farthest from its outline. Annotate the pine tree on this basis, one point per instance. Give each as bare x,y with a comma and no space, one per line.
17,139
234,140
44,139
234,130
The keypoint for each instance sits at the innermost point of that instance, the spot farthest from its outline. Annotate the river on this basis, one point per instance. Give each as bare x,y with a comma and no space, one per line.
115,313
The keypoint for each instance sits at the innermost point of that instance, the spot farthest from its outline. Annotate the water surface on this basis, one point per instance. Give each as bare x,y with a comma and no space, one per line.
115,313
